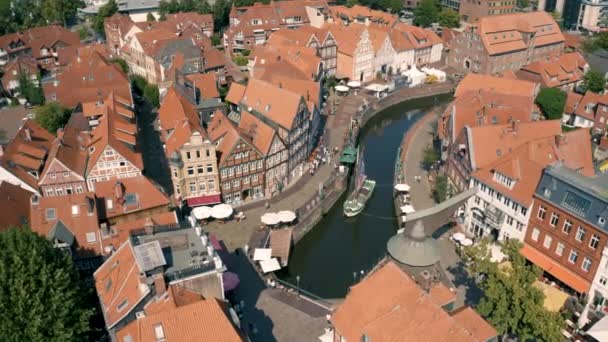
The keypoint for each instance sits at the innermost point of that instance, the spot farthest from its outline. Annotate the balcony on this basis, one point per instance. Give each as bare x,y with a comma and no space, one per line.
494,217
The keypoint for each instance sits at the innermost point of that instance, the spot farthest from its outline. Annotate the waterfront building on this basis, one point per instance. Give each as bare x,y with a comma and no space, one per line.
586,111
355,53
138,275
252,25
471,11
113,149
87,76
565,72
189,150
567,236
369,315
291,61
506,42
240,161
503,203
22,160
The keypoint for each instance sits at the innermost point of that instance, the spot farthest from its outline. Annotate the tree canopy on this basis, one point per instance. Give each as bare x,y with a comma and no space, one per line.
594,81
52,116
426,13
17,15
449,18
552,101
41,295
122,63
597,42
510,302
32,93
104,11
151,94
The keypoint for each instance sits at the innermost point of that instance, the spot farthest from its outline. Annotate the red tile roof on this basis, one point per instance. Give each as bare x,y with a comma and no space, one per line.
15,204
556,71
146,195
277,104
401,311
496,84
179,120
203,320
477,326
206,83
77,213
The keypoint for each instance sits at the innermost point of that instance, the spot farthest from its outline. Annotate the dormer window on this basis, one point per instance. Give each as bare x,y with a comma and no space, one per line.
504,180
159,333
601,221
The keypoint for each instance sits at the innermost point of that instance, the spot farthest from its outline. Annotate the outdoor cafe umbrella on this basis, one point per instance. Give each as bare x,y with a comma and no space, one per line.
201,213
341,88
270,219
402,187
459,236
466,242
286,216
221,211
354,84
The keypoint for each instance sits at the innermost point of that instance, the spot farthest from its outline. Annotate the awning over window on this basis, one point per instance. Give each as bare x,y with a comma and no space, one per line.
204,200
560,272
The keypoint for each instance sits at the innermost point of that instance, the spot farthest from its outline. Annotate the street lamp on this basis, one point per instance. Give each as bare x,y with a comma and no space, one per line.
298,284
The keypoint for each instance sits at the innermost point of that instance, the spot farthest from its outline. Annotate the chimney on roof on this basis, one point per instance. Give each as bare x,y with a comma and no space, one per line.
149,226
560,140
159,284
27,135
143,279
515,126
119,192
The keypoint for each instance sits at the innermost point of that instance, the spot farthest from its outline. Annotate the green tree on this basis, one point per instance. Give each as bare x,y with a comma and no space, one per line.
426,13
150,17
240,60
52,116
105,11
596,42
41,296
83,32
523,3
216,39
203,7
351,3
510,302
32,93
139,84
60,10
552,102
440,189
221,10
594,81
152,95
449,18
168,7
429,157
121,63
393,5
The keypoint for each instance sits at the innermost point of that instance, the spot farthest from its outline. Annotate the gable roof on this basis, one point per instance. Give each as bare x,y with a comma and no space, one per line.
129,195
235,93
203,320
15,204
277,104
70,149
225,135
206,84
402,311
74,217
555,71
116,129
27,152
48,37
496,84
257,131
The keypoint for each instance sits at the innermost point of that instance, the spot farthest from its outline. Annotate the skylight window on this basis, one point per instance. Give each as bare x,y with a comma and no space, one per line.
576,203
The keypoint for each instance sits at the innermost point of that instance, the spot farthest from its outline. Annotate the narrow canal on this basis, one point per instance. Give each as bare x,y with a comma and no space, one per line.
330,258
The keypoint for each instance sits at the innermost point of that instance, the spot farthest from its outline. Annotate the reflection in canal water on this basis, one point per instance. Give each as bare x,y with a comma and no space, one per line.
330,257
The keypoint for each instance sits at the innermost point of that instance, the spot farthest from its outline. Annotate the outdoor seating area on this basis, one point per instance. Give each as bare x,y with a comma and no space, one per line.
461,239
220,212
280,219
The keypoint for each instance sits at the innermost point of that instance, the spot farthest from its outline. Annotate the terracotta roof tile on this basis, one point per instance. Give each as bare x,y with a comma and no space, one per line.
277,104
556,71
120,232
15,204
179,120
477,326
358,11
258,132
587,106
572,101
204,320
77,213
402,311
497,84
225,135
15,66
129,195
206,83
235,93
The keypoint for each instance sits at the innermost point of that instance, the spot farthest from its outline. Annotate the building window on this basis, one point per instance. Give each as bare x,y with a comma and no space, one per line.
236,182
59,191
586,266
202,186
246,167
159,333
548,241
188,156
211,183
594,241
559,250
580,234
207,153
603,281
49,192
109,204
542,211
224,173
519,226
75,210
192,187
190,170
198,154
199,169
50,214
231,171
227,186
535,234
52,175
567,226
79,189
246,180
254,178
209,168
573,256
554,219
123,305
239,169
524,211
91,237
477,200
510,221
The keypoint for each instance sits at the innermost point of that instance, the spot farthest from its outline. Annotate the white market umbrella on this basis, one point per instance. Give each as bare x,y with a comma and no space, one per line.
270,219
466,242
221,211
459,236
270,265
201,213
341,88
354,84
260,254
286,216
407,209
402,187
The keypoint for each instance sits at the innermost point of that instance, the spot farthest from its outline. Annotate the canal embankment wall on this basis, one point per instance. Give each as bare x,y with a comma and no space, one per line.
311,213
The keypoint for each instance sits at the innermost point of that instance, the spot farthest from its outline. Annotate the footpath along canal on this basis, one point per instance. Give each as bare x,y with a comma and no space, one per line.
330,257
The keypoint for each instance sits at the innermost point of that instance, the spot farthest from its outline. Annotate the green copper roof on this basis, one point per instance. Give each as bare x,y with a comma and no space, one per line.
414,249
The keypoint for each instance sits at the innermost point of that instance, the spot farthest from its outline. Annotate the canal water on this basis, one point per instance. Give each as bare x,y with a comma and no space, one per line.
330,257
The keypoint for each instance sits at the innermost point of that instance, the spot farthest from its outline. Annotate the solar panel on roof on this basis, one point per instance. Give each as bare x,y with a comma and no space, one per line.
149,255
